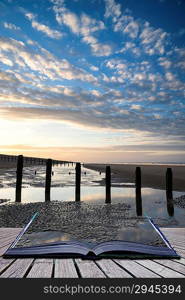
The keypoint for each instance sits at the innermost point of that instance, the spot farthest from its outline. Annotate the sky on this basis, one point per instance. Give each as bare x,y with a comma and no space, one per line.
93,81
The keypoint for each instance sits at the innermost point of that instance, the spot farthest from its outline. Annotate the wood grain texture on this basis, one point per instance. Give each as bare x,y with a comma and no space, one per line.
4,248
42,268
65,268
88,269
135,269
160,269
180,261
172,265
4,263
111,269
17,269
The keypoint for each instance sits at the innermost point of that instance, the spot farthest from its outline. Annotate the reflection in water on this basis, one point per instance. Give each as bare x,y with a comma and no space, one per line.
108,185
169,191
153,202
142,232
45,237
138,202
169,201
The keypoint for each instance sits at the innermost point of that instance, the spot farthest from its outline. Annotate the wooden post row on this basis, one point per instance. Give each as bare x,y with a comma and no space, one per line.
48,179
108,184
77,182
138,191
19,178
169,180
169,191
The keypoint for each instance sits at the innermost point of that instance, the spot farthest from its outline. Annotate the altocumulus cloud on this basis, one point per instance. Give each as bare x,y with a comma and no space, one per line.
54,34
139,86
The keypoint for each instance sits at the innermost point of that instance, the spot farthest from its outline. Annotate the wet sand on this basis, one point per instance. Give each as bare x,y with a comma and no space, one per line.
81,220
95,222
152,176
7,165
68,216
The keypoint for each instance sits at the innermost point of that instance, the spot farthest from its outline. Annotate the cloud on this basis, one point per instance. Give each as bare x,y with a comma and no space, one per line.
43,61
127,93
90,109
112,9
153,40
134,147
71,20
169,76
5,76
136,107
11,26
54,34
79,24
94,68
130,47
5,60
116,64
132,29
113,109
100,154
83,26
91,119
123,22
98,49
179,57
164,62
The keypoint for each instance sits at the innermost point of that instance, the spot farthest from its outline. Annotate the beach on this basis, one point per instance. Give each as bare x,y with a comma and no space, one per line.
152,176
12,165
81,220
72,217
7,165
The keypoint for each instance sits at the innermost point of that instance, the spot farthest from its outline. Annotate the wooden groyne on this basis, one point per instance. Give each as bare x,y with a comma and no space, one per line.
21,161
28,160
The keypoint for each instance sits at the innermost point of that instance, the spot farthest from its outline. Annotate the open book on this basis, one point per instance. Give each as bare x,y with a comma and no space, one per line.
144,240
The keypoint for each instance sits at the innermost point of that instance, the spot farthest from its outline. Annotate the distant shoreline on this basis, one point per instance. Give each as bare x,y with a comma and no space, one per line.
12,165
147,163
153,176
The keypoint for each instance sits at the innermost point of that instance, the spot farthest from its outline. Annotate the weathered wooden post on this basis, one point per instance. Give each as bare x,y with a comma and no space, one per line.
19,178
48,179
138,191
108,184
169,180
169,191
78,182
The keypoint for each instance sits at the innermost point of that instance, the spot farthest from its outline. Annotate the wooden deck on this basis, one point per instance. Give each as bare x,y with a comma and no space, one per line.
74,268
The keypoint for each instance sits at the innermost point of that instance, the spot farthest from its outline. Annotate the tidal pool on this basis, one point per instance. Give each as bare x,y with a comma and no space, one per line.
153,203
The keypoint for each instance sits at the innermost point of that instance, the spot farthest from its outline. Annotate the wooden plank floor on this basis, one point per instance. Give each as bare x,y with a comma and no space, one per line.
74,268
